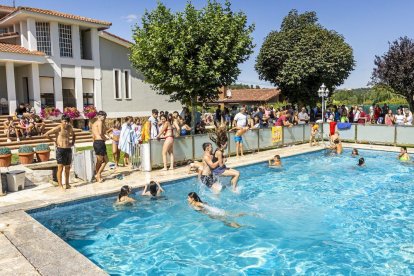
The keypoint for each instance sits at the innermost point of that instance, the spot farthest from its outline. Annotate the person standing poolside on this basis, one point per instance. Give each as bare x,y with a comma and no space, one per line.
154,129
238,139
240,120
207,177
11,129
63,145
167,133
126,139
284,120
303,116
314,132
389,118
99,138
403,156
115,134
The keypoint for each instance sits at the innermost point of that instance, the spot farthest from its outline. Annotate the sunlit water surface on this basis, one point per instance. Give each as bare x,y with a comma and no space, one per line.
318,215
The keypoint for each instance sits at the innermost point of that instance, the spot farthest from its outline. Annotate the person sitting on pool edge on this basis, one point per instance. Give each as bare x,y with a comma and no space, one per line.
355,153
197,204
361,162
275,162
403,156
123,197
153,189
238,139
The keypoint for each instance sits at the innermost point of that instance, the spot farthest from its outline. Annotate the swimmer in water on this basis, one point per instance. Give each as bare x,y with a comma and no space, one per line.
153,189
337,146
361,162
355,153
123,196
403,156
197,204
275,162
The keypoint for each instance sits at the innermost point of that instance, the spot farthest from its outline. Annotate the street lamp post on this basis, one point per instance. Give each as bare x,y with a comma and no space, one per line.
323,92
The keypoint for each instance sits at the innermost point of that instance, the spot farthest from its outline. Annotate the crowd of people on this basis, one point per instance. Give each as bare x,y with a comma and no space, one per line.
28,124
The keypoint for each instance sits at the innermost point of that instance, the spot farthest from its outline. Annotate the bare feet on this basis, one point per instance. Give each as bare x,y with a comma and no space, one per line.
171,168
98,178
67,186
165,169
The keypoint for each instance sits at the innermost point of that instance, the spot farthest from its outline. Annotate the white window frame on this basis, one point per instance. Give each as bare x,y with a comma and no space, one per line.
65,40
127,97
44,43
119,84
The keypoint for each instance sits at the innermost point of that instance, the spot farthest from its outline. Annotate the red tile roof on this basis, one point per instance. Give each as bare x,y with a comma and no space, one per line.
7,8
11,48
251,95
4,35
117,37
60,14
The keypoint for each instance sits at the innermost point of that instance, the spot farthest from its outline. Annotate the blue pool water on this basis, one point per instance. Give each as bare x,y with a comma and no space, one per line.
318,215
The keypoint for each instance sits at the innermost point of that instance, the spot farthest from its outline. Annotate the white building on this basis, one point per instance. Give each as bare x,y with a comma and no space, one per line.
50,58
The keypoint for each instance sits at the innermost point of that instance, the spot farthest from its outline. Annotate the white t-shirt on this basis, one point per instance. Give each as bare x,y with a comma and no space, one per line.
241,119
154,127
399,119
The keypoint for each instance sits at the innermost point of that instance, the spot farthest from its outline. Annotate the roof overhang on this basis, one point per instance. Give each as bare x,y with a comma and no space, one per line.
115,39
19,15
22,58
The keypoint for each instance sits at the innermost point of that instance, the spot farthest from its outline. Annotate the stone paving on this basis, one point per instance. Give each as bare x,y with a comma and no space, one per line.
28,248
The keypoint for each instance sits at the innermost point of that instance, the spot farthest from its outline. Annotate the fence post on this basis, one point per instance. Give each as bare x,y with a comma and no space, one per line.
395,136
283,136
356,133
258,140
303,130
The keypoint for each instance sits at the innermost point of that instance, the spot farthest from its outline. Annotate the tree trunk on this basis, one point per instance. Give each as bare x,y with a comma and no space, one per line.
410,101
193,113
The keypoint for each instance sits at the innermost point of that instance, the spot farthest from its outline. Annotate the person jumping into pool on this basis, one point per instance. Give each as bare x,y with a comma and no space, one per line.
361,162
275,162
153,189
123,197
355,153
238,139
220,139
64,140
207,177
403,156
197,204
99,138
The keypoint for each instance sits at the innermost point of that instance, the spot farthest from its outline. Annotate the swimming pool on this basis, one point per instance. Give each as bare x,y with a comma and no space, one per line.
318,215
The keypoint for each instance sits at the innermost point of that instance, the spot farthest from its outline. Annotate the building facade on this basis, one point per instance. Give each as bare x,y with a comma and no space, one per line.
55,59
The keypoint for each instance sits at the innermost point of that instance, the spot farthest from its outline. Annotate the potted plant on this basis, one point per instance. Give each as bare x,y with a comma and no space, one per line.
89,112
26,155
5,157
42,152
50,113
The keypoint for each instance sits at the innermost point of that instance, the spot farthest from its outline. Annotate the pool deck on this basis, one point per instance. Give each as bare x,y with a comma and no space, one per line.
28,248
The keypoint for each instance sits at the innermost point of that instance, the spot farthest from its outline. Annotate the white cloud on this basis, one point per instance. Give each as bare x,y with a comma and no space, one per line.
130,18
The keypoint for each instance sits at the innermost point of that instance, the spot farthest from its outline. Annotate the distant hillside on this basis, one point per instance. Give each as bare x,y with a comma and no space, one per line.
377,94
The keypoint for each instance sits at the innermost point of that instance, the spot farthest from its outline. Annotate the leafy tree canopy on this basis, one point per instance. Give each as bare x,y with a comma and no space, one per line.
302,56
379,94
396,68
189,55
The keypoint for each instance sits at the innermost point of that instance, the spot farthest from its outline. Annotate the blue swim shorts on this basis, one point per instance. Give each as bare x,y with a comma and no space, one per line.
238,139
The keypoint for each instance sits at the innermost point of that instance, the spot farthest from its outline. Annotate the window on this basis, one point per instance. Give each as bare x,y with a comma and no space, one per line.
88,88
65,40
68,91
85,44
47,91
43,38
117,84
127,80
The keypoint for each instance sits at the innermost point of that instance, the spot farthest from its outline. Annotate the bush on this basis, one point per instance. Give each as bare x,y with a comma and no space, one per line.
5,151
26,149
42,147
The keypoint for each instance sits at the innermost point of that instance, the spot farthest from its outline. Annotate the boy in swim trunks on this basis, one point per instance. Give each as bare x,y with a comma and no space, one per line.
314,132
99,138
63,145
207,177
238,139
275,162
403,156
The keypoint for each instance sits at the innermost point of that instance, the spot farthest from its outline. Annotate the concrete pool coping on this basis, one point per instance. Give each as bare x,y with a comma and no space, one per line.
29,248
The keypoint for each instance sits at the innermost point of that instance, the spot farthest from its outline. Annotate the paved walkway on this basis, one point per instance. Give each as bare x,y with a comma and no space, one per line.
28,248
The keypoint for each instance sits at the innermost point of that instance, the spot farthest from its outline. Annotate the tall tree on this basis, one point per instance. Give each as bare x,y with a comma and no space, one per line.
302,56
189,55
396,68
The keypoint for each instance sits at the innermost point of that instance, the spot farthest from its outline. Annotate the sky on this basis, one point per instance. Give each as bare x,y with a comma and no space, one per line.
367,25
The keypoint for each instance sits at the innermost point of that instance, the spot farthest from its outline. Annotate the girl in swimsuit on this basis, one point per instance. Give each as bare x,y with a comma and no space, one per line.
403,156
115,134
220,139
123,197
197,204
167,132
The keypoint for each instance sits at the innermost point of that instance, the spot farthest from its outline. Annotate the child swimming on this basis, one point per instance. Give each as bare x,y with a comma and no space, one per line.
123,196
354,153
275,162
403,156
197,204
152,189
361,162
